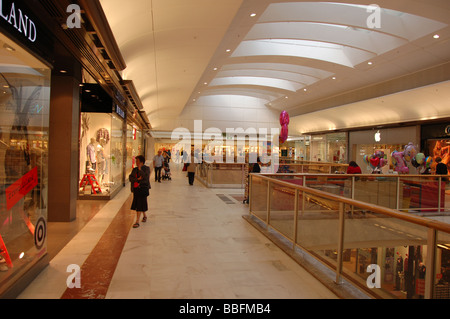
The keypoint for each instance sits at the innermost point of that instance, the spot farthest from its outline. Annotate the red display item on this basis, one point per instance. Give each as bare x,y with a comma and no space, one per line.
90,179
4,253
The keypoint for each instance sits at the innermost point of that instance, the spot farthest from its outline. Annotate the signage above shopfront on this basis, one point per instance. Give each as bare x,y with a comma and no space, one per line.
18,19
120,112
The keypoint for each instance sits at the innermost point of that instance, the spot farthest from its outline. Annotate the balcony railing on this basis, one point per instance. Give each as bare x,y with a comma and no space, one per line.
408,251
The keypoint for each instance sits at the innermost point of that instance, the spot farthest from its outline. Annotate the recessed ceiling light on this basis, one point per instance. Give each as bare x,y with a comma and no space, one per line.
436,36
253,15
228,50
8,48
63,71
334,78
206,83
305,90
215,69
370,63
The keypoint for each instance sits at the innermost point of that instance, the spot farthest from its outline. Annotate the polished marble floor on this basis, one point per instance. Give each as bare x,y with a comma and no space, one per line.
195,245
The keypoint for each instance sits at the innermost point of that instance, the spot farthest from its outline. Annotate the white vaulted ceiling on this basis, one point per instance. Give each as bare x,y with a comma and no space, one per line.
285,54
167,45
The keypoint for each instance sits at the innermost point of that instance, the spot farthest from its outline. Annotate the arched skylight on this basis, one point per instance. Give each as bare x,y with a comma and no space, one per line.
312,41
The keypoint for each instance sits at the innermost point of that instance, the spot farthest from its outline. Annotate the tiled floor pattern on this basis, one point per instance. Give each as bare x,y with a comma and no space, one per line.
194,246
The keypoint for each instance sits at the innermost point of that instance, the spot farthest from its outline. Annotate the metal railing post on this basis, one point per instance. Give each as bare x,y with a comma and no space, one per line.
340,250
295,218
439,194
353,192
250,186
431,263
268,203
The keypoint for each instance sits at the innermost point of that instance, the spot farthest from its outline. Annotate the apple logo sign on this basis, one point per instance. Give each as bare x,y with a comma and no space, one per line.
378,136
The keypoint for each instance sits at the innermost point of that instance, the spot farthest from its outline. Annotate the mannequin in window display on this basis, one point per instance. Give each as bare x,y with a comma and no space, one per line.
101,161
398,272
91,163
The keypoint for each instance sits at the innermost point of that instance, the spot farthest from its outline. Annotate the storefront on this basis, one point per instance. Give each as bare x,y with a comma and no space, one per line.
368,142
331,148
101,144
25,81
435,142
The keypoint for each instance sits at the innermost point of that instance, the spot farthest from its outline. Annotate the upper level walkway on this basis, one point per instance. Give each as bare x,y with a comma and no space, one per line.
195,245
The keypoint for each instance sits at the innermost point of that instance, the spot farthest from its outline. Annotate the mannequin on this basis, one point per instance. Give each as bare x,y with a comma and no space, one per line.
101,161
91,163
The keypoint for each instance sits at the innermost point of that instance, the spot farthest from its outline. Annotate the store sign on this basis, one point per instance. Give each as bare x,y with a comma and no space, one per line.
21,188
378,137
120,112
18,19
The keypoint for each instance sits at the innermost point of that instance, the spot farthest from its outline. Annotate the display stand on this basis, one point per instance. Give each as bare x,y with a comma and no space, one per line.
90,179
4,253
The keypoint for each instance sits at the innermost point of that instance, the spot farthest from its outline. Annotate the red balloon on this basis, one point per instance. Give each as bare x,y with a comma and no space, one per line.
375,161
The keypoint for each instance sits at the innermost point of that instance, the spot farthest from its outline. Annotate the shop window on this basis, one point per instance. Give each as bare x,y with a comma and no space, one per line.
101,155
24,129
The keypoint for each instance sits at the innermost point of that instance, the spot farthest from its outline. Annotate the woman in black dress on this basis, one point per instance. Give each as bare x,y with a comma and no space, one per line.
140,186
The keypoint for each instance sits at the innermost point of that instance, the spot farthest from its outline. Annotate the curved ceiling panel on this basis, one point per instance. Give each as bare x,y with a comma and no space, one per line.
287,76
282,67
315,50
251,92
256,81
404,25
368,40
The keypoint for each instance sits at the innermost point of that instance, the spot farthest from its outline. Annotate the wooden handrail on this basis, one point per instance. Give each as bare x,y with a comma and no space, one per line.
421,221
355,175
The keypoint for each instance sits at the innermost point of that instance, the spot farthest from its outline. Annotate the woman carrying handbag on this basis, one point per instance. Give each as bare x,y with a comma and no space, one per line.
140,186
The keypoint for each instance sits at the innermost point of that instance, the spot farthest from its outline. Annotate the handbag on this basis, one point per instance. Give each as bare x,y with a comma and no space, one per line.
137,189
185,167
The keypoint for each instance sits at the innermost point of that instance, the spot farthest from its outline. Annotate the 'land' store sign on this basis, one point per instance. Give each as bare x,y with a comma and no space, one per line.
18,19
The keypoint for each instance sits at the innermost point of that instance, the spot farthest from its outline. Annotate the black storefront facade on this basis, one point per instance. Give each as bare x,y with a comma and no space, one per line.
42,68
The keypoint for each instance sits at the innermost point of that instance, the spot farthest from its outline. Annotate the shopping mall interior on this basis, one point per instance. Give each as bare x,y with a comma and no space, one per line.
294,149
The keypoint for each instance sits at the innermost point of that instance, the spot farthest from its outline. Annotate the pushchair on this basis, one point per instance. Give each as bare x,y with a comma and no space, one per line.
167,174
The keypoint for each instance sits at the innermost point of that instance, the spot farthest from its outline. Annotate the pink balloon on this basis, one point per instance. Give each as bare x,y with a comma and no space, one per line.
400,163
284,118
284,121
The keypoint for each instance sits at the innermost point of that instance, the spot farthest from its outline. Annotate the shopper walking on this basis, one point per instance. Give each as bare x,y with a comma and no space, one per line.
140,186
158,162
191,171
